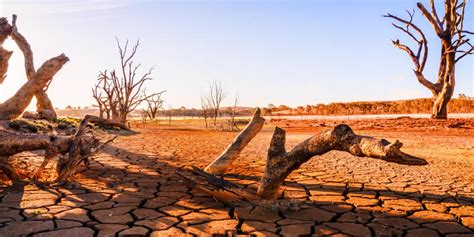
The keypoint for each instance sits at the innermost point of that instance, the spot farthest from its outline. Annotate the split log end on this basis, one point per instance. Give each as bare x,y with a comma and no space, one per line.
220,165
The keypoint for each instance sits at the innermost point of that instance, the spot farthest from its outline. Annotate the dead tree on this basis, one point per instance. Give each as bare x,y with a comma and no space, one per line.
215,97
232,124
281,163
101,102
38,80
123,89
206,110
154,103
454,46
108,101
221,164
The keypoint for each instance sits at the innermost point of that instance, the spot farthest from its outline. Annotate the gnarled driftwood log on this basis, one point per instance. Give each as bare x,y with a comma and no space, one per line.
80,146
221,164
281,163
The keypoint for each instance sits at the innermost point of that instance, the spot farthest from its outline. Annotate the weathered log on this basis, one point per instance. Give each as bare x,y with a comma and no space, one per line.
81,147
14,107
222,163
281,163
13,143
108,122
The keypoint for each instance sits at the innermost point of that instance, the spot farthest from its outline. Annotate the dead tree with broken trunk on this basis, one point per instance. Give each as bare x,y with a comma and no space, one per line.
214,97
455,45
280,163
206,109
38,80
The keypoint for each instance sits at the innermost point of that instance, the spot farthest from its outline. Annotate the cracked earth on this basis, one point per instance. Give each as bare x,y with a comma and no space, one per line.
131,189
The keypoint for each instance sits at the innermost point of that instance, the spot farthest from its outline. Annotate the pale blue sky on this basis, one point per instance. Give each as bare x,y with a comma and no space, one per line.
280,52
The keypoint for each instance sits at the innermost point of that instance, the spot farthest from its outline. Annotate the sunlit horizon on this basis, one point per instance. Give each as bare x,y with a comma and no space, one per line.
269,52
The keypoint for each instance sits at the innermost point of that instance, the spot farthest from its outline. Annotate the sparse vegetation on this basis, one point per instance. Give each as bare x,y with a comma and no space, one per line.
275,171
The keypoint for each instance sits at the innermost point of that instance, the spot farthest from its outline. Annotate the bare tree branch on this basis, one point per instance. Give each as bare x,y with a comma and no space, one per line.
125,93
432,20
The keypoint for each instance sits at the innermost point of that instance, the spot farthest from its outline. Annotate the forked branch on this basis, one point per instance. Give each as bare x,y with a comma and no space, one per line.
281,163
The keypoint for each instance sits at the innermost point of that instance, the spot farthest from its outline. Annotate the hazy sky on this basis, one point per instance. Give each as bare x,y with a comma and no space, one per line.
281,52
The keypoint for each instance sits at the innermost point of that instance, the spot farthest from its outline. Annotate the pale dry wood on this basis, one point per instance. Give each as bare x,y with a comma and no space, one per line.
14,143
230,154
281,163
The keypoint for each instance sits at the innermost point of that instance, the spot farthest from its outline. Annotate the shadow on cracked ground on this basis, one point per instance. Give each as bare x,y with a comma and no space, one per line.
131,188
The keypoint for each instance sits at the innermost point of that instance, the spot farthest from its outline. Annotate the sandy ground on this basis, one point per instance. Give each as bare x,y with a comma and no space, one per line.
131,187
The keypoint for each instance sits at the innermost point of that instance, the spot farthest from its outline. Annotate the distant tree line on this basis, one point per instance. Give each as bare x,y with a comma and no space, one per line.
461,105
423,106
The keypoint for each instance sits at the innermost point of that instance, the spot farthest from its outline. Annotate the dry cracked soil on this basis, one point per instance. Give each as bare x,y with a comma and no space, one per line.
131,189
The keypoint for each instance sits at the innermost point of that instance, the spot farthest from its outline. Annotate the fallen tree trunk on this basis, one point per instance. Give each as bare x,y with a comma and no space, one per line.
80,147
107,122
281,163
221,164
13,143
